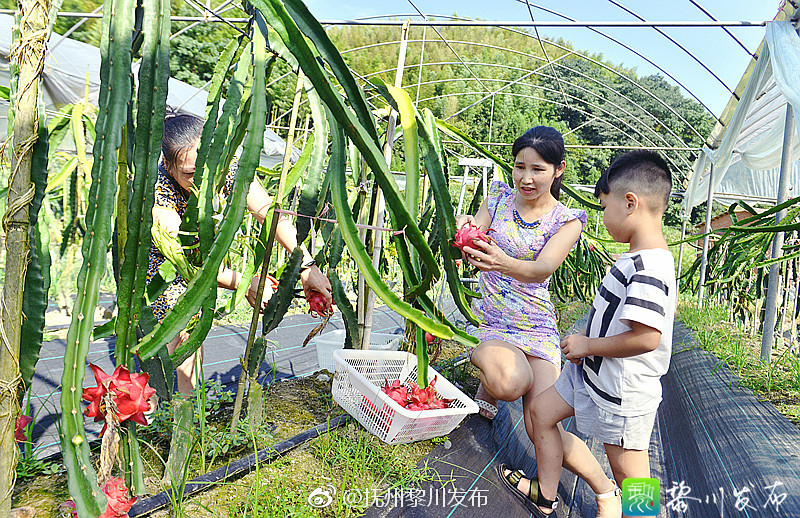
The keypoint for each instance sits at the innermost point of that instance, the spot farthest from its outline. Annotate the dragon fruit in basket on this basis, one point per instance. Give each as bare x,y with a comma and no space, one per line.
417,398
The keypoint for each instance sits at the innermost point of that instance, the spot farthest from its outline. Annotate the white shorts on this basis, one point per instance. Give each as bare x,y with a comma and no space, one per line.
631,433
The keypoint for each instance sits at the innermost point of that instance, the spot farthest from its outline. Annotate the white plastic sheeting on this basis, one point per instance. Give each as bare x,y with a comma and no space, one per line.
69,63
747,160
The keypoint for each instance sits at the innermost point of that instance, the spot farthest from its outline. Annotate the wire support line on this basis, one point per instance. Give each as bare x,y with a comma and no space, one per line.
72,29
677,44
220,9
586,57
588,146
549,23
218,16
732,35
500,91
457,23
544,51
495,92
594,80
636,52
450,47
649,141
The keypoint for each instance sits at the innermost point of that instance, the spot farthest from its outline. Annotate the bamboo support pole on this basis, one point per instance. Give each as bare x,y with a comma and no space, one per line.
680,248
276,204
27,56
796,282
706,230
785,297
381,205
771,305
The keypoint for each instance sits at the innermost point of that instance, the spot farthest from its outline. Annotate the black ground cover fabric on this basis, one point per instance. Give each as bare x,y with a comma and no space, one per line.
716,449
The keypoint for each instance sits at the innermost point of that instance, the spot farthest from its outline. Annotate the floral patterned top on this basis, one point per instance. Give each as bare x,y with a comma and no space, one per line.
170,195
512,311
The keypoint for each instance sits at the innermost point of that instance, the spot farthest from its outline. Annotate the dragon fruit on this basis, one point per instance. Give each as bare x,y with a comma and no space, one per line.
397,392
318,305
469,233
417,398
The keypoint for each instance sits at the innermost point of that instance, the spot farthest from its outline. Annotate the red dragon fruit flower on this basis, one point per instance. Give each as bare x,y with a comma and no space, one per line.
22,424
118,502
133,395
129,392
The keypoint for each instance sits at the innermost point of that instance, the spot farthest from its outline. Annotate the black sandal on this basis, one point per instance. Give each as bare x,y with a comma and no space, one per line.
534,499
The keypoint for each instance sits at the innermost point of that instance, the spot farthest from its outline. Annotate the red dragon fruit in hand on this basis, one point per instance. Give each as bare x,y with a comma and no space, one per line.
318,305
469,233
397,392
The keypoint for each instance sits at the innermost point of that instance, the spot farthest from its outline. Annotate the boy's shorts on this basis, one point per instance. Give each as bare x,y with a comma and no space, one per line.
631,433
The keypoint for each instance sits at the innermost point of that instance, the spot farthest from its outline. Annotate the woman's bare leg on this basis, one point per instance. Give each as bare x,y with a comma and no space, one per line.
185,371
505,371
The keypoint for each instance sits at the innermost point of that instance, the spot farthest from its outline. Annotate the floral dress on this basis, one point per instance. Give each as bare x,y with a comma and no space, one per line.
170,195
512,311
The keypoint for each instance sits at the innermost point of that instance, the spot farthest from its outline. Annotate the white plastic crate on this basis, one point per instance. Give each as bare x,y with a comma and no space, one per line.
357,388
328,342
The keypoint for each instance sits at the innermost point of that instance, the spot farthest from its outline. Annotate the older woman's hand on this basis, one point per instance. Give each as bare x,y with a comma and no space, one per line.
486,257
252,292
314,280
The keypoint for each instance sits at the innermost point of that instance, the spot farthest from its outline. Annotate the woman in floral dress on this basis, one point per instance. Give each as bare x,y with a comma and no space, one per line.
531,234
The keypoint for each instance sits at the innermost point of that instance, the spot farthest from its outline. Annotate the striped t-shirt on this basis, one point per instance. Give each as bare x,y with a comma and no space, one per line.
640,287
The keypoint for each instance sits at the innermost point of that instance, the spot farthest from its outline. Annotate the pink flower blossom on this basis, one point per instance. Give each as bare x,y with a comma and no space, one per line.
118,502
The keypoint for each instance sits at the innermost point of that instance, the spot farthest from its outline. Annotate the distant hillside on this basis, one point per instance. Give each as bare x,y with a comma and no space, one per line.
593,102
601,103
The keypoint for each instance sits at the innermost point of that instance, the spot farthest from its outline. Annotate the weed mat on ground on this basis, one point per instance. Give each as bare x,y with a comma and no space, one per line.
740,350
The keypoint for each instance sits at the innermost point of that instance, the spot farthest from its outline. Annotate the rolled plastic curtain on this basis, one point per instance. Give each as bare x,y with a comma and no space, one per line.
780,60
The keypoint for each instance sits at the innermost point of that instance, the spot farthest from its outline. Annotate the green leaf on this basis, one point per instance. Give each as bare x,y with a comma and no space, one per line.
104,330
205,281
348,313
283,296
349,232
316,33
422,358
37,278
289,33
115,94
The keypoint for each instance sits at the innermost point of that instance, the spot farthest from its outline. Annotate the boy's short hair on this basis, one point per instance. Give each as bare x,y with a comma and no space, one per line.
642,172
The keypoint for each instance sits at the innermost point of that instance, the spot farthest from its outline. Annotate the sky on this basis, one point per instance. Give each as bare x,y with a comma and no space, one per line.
718,50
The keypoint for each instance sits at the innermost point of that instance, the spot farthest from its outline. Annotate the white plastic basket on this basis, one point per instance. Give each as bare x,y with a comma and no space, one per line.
357,388
328,342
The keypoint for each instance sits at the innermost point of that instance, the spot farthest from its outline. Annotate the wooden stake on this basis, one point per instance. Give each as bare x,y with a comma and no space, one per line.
27,56
276,204
381,205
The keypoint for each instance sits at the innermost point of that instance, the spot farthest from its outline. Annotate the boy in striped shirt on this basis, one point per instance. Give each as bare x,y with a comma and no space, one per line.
612,383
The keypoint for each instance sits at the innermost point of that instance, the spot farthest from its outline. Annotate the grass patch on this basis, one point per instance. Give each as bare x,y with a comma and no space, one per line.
740,350
351,466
